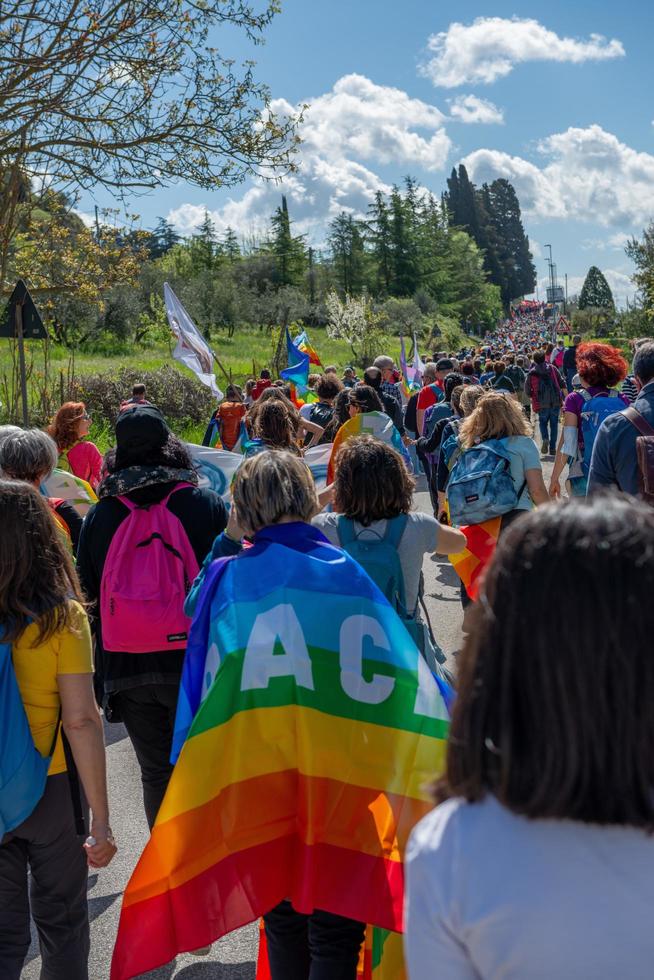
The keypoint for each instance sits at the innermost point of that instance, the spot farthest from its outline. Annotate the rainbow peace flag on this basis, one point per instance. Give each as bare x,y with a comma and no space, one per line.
308,726
481,541
375,424
66,486
302,343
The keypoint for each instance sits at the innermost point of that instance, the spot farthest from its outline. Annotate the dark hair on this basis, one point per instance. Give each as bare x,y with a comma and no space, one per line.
451,382
372,376
365,398
467,369
328,386
644,361
173,453
478,366
539,357
272,394
600,365
558,724
455,398
499,367
233,393
274,426
363,499
264,373
138,391
37,577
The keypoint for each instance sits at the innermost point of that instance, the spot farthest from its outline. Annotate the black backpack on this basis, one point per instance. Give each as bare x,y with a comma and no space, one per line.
549,395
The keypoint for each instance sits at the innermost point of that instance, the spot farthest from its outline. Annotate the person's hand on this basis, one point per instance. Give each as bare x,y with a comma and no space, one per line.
100,846
555,489
233,529
408,441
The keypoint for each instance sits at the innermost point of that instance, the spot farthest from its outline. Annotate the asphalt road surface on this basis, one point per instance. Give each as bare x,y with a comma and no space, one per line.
234,957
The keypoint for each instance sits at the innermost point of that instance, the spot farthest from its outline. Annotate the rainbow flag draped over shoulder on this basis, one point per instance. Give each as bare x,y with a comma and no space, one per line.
66,486
481,541
306,743
375,424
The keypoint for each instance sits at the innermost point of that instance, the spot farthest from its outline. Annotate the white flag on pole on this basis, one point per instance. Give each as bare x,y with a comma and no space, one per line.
192,349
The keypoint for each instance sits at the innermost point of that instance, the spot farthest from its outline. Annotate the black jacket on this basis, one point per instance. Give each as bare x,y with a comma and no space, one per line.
570,359
203,515
393,410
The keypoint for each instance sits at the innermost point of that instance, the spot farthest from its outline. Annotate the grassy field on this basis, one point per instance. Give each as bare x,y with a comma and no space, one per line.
240,357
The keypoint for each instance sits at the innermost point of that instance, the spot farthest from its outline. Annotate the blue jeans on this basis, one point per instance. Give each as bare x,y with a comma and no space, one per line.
548,421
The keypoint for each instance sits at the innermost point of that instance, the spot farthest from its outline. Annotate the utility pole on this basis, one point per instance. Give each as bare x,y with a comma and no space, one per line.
565,305
312,285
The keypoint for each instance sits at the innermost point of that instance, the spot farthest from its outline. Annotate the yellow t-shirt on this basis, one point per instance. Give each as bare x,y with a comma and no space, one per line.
37,667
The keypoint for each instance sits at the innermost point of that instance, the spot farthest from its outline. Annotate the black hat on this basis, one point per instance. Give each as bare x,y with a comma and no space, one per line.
445,364
139,430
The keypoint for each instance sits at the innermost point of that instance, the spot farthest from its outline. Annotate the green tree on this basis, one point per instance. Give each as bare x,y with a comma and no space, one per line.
348,253
204,246
509,241
163,238
378,228
124,94
289,251
596,292
230,245
641,252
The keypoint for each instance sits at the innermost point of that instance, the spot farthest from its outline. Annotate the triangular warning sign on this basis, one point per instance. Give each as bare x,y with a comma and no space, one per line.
33,328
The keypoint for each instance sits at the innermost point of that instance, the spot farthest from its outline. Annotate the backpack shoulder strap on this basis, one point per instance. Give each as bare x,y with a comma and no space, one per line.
395,528
639,421
346,533
183,485
585,394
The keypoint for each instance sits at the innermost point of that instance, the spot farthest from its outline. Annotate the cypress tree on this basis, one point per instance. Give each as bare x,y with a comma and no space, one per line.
596,292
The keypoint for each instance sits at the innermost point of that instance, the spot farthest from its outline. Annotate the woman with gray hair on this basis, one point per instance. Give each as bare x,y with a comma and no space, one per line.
31,455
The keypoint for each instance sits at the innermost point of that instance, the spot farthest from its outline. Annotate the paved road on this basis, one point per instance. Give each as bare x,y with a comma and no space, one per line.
234,957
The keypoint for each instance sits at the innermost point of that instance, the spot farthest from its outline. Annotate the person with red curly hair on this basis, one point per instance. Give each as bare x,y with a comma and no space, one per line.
69,429
600,369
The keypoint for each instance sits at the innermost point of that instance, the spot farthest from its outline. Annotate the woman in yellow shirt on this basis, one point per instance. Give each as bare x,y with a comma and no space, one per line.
42,616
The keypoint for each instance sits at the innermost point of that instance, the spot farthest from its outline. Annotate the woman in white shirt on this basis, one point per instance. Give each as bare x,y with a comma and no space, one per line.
539,862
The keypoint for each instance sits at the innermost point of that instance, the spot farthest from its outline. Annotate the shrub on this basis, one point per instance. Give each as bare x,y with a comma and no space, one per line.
180,398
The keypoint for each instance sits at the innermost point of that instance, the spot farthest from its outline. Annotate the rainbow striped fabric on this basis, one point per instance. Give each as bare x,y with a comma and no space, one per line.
75,491
375,424
303,344
481,541
308,726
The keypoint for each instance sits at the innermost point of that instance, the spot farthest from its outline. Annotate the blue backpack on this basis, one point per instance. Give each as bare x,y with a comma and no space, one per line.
596,409
480,485
23,770
379,557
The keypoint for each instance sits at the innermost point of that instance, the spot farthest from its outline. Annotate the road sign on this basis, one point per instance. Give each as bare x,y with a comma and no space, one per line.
22,320
32,324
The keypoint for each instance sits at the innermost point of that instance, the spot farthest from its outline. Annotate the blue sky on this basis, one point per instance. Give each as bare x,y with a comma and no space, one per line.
555,97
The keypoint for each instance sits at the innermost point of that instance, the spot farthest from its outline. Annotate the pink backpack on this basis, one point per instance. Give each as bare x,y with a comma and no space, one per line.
148,572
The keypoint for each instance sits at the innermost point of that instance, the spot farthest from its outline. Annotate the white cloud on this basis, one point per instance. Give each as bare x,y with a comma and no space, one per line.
356,124
590,176
614,242
471,109
491,47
